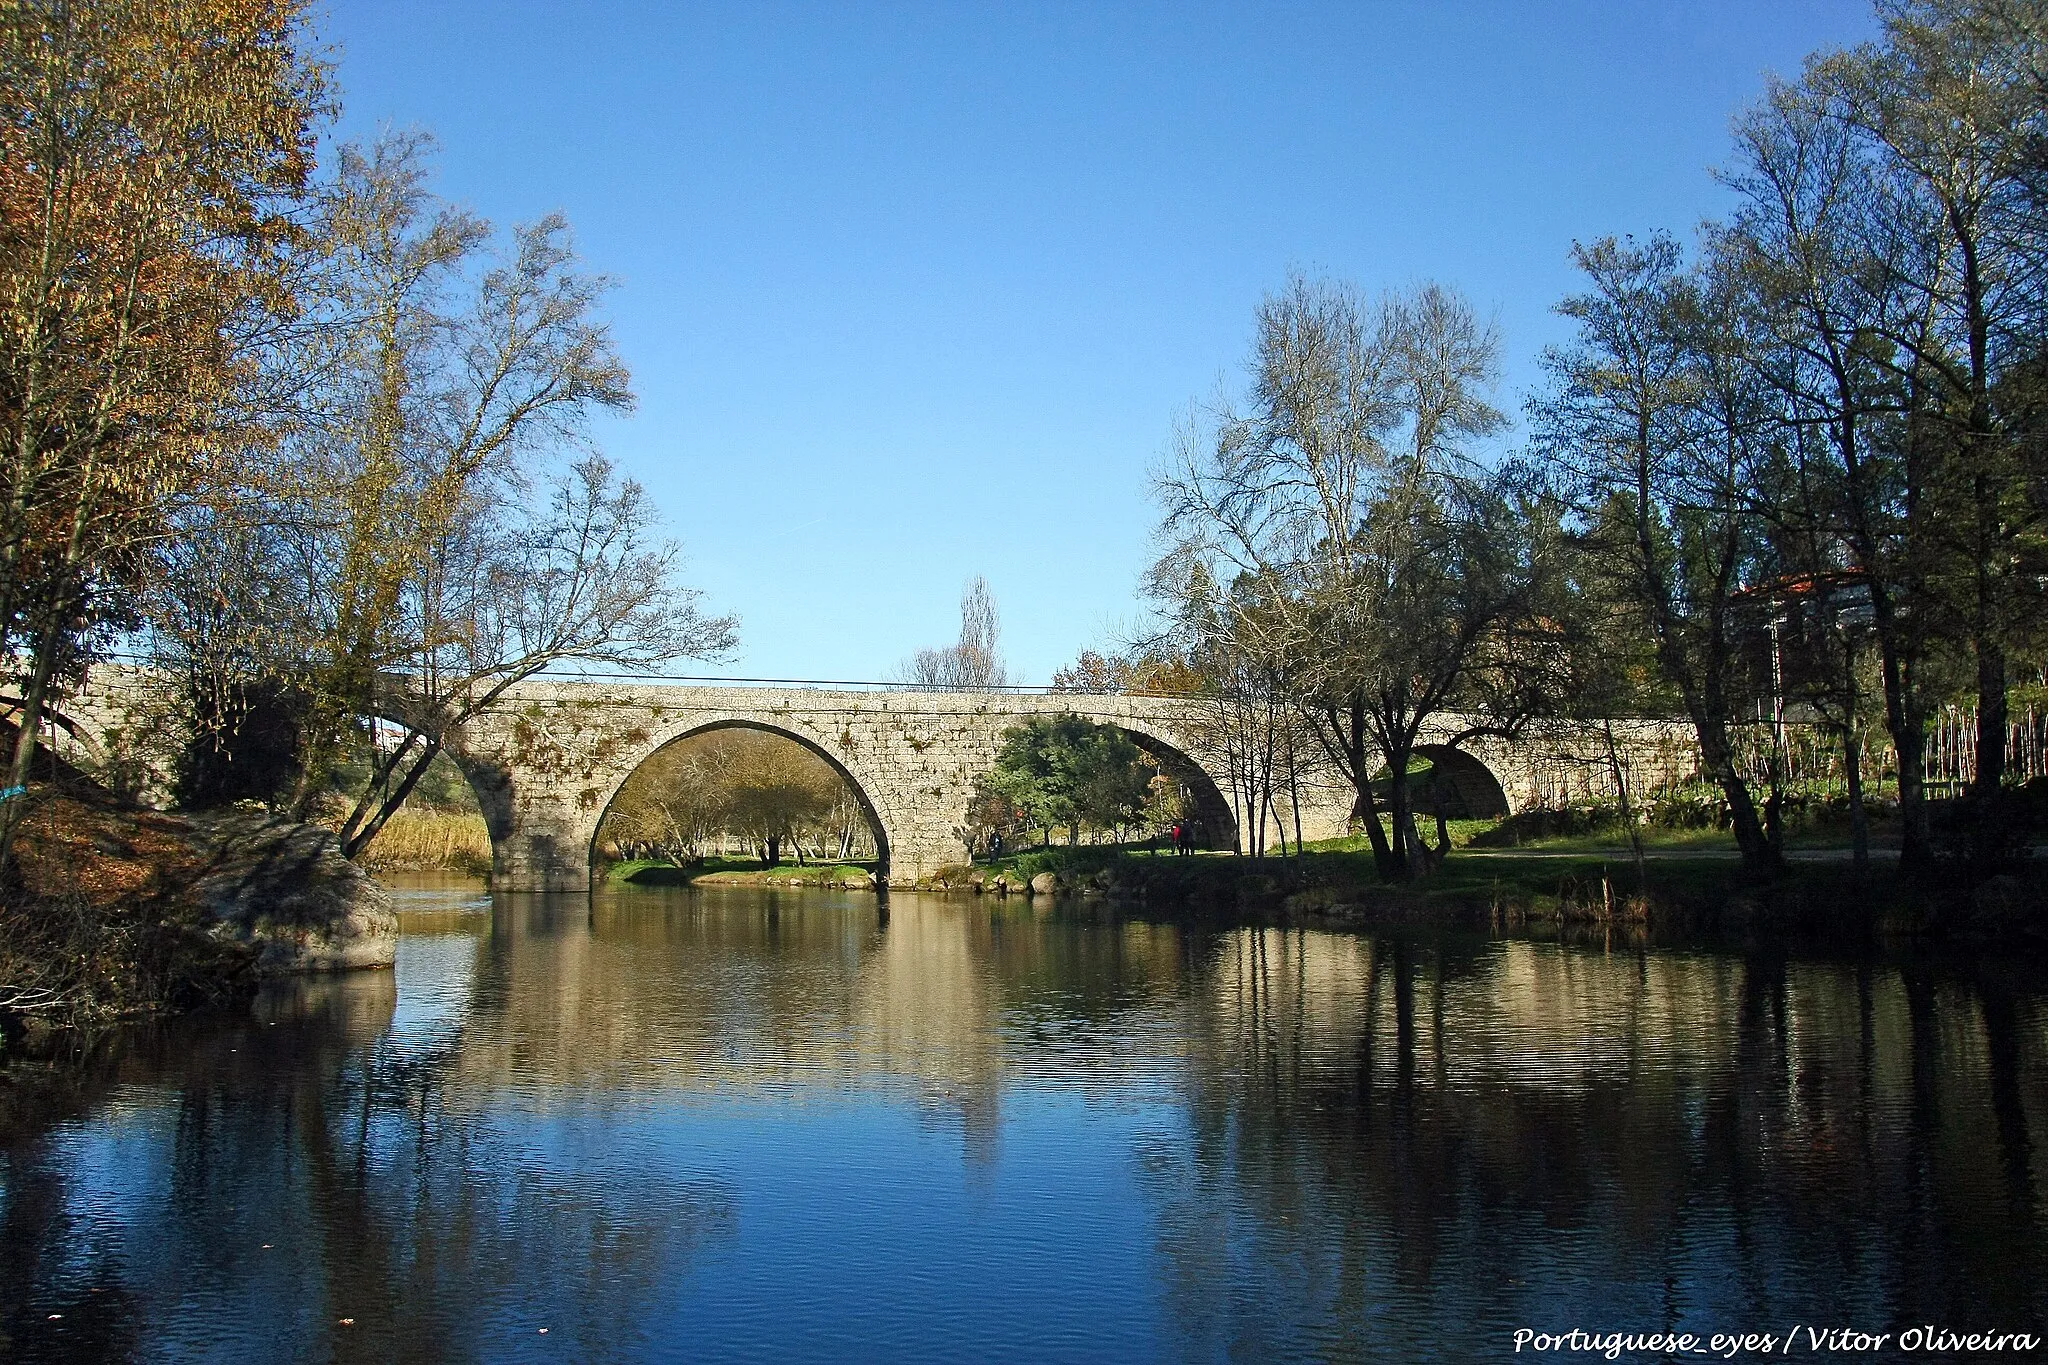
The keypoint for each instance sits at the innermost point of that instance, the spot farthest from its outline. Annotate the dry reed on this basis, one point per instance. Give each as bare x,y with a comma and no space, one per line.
416,840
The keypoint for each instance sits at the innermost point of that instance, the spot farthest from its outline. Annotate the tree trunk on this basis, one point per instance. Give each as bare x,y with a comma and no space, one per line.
1859,816
1628,813
1349,732
774,851
1759,857
1443,827
1294,798
356,843
1906,719
1401,806
370,804
42,671
1383,860
1991,715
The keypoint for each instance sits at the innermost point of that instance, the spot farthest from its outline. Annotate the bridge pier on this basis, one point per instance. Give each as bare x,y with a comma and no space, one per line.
537,858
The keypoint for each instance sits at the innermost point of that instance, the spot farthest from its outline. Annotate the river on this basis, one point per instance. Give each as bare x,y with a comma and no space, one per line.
737,1124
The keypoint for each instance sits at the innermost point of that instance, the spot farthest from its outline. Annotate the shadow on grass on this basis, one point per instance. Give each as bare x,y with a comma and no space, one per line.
737,872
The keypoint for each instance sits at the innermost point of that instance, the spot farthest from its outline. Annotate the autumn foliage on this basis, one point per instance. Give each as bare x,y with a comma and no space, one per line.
151,155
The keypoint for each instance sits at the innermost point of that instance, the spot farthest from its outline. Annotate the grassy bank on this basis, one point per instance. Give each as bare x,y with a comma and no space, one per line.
742,872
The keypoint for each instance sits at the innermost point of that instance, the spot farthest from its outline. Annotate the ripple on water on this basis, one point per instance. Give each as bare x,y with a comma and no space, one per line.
747,1126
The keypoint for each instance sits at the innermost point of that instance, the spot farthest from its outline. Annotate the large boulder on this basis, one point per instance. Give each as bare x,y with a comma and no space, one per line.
1045,884
284,889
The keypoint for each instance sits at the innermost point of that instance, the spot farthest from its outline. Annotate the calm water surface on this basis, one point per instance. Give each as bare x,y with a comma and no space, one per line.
790,1126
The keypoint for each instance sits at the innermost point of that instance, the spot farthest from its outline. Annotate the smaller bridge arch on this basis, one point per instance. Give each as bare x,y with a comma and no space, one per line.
488,781
1214,817
66,747
1471,790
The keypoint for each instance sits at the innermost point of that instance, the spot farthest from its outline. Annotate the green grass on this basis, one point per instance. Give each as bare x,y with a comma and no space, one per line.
1481,834
1462,833
731,872
1339,878
1615,842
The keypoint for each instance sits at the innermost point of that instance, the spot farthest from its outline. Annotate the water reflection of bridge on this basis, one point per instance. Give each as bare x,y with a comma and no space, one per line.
1342,1145
956,1001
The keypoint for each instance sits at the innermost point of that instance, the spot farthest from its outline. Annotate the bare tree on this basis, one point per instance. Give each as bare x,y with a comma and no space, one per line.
1339,521
513,590
434,526
975,662
445,371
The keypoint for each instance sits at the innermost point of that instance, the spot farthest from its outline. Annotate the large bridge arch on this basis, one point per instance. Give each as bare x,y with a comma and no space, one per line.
876,825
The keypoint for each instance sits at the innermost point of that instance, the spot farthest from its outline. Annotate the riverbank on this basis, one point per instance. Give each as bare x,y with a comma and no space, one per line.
118,912
1701,891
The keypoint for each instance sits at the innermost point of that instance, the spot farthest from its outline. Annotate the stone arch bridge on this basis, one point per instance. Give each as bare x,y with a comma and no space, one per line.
548,757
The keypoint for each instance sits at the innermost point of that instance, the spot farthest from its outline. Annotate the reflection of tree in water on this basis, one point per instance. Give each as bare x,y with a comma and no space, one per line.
381,1203
50,1263
1400,1147
1531,1136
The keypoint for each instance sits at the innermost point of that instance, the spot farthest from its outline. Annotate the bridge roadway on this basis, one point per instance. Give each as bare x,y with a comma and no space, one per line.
548,757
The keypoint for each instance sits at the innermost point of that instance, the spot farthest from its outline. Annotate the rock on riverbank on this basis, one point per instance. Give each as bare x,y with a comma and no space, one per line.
284,890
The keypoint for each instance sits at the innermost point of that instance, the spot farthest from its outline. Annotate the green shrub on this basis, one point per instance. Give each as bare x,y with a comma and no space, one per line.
1073,861
1695,805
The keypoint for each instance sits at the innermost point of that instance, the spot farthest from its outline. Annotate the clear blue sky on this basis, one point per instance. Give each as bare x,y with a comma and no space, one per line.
915,292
